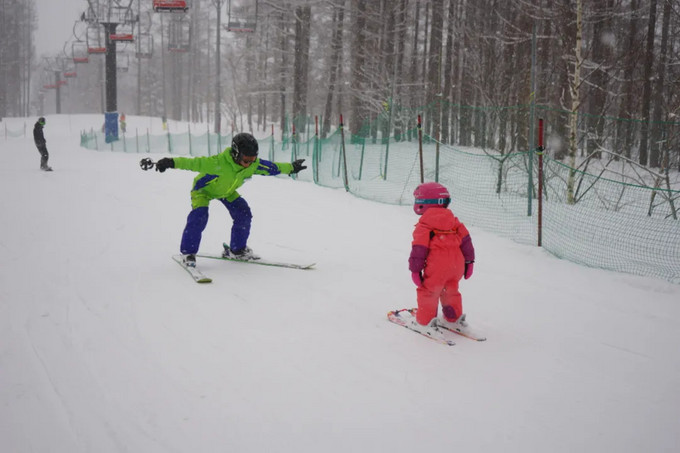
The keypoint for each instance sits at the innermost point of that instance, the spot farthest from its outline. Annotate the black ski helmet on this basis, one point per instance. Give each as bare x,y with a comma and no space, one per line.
41,120
243,144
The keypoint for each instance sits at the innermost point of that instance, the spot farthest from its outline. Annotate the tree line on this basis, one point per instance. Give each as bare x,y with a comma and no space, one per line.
608,67
17,22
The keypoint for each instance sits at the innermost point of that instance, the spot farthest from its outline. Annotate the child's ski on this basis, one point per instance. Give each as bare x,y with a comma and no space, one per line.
463,331
403,318
196,274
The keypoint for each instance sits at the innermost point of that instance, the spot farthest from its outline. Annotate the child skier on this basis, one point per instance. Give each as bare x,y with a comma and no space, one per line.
441,254
219,177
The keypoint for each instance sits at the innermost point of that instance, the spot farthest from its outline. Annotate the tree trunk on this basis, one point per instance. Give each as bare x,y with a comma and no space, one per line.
303,17
597,97
434,71
657,126
338,22
359,83
413,72
624,130
647,84
283,65
448,75
575,89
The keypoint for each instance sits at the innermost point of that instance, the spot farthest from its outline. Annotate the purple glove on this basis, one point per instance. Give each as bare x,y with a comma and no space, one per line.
468,249
469,254
469,268
416,262
417,279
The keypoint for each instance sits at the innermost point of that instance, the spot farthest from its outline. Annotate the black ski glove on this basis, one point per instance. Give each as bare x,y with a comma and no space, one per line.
297,166
164,164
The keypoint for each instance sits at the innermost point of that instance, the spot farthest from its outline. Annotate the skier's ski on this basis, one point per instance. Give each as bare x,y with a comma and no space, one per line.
403,318
196,274
463,331
466,332
262,262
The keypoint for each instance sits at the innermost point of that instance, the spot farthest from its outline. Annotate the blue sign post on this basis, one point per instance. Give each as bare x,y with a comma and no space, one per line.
111,126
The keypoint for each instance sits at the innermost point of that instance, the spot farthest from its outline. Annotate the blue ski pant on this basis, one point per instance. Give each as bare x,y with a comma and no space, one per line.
198,219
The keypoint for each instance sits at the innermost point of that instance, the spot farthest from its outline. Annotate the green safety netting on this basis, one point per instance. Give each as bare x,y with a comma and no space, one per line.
185,144
607,223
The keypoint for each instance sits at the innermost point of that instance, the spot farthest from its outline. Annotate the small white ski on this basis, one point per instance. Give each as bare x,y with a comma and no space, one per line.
196,274
463,331
404,315
403,318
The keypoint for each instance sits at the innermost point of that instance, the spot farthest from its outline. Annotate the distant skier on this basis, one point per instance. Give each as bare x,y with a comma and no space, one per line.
219,177
123,123
441,254
41,143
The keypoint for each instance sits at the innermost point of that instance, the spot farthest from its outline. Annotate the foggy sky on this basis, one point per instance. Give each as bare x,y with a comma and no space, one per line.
55,24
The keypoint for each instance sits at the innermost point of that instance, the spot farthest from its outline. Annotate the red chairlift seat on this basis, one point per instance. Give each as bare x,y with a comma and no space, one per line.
70,74
122,37
96,50
170,6
81,60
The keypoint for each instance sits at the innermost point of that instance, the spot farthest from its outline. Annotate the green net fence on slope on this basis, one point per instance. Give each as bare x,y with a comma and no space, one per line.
610,224
183,144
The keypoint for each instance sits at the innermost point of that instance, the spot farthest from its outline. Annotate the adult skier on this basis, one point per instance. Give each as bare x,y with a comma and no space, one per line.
41,143
219,178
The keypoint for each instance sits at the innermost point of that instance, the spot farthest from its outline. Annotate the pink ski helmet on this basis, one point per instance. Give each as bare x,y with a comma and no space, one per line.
428,195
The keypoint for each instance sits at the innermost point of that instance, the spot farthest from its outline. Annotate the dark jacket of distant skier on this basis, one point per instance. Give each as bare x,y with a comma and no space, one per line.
40,142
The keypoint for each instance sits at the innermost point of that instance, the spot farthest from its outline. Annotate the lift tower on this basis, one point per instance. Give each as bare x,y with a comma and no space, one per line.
107,15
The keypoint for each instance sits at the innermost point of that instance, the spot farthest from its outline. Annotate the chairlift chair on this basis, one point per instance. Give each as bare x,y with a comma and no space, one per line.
120,14
170,6
123,16
242,18
79,52
95,43
122,62
67,66
144,47
123,35
179,36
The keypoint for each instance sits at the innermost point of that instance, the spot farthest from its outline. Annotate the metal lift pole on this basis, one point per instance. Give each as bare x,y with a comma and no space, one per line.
111,81
111,113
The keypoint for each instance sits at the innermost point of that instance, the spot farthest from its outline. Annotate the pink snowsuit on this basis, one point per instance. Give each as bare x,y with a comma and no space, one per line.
441,246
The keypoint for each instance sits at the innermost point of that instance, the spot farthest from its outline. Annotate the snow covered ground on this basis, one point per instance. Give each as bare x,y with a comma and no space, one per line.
107,345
